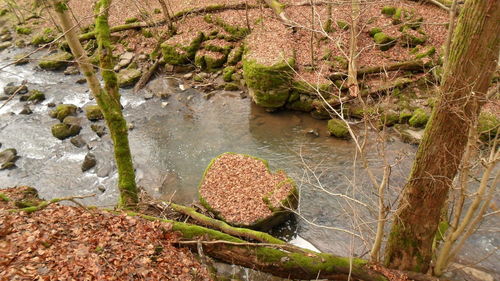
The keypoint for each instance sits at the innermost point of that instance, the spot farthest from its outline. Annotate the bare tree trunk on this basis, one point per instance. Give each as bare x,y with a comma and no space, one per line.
451,28
108,98
472,61
166,14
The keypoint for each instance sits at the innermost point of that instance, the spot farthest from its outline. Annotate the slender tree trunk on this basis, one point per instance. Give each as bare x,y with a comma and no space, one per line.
352,76
472,60
108,98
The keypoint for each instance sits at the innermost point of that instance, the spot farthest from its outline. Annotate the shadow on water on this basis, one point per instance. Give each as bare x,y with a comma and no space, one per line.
173,143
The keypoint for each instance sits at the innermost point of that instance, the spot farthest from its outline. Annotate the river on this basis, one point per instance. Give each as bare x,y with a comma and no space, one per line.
174,140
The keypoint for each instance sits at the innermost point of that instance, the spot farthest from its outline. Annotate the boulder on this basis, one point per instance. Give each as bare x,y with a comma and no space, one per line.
63,131
55,61
338,128
21,59
78,141
383,41
100,130
8,158
26,110
62,111
89,162
409,135
128,77
241,190
36,96
11,88
93,112
43,37
180,50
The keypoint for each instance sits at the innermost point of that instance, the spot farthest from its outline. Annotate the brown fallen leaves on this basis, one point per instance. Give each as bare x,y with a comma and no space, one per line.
71,243
235,186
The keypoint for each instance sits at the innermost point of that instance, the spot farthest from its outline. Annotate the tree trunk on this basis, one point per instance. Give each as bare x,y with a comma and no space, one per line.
112,110
468,73
108,99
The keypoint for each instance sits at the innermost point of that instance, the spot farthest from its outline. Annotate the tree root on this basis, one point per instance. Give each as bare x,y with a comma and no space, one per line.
44,204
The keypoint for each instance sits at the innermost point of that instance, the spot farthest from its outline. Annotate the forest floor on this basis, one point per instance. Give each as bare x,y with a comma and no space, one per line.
77,243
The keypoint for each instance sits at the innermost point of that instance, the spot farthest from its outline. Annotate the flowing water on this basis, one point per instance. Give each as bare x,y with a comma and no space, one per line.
173,143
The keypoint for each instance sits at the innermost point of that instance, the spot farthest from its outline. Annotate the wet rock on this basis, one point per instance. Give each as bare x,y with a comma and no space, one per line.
51,104
62,111
63,131
100,130
72,121
6,37
164,104
148,95
56,61
26,110
408,134
81,81
163,88
101,188
89,162
93,112
71,70
338,128
78,141
188,76
104,169
8,158
130,126
313,132
11,88
20,43
35,96
43,37
21,59
125,59
128,77
419,118
5,45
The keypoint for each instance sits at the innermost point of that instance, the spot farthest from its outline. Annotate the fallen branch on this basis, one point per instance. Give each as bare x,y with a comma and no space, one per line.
226,228
272,259
44,204
412,65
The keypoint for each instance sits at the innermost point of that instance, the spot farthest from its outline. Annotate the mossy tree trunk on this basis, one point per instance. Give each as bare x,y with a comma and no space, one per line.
472,60
108,98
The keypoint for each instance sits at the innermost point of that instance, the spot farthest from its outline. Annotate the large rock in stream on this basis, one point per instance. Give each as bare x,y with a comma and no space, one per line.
241,190
8,158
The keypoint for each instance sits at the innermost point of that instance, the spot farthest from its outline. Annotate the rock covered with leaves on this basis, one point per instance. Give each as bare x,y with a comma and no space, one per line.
241,190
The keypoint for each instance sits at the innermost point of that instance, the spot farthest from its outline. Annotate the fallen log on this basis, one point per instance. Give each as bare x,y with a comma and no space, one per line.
226,228
278,260
123,27
412,65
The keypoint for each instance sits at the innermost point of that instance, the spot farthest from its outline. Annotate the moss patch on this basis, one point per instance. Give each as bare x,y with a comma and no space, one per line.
384,41
419,118
338,128
178,53
56,61
62,111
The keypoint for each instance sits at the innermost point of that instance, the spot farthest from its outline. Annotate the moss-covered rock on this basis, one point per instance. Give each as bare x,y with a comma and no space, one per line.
63,131
300,102
43,37
93,112
269,85
338,128
388,10
217,45
231,87
262,197
235,55
343,25
23,30
419,118
427,52
389,118
236,32
409,135
227,73
374,31
8,158
383,41
404,116
182,51
488,126
411,38
21,59
36,96
56,61
63,110
128,77
209,60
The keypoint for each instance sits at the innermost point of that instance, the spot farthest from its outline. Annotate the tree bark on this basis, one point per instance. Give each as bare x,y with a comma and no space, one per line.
112,110
108,98
468,73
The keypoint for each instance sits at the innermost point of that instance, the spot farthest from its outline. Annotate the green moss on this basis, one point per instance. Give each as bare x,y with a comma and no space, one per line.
177,54
343,25
269,85
3,12
374,31
126,77
62,111
396,17
227,73
56,61
61,6
419,118
237,33
36,96
328,26
146,32
93,112
488,126
131,20
338,128
411,38
63,131
384,41
23,30
210,60
429,52
389,118
388,10
231,87
314,90
300,102
404,116
44,37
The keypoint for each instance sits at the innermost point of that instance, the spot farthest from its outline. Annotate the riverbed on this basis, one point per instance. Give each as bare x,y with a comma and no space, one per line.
173,140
